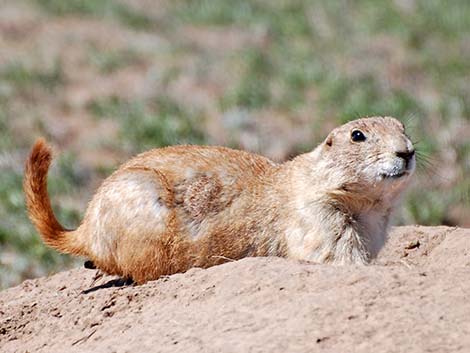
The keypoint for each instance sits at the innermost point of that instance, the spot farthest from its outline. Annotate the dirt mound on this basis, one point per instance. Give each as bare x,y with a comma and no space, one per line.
414,298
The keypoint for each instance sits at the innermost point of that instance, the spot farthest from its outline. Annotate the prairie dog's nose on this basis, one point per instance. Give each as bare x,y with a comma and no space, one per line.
406,155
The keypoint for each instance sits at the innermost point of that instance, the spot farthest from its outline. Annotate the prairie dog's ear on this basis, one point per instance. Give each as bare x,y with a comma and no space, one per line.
329,140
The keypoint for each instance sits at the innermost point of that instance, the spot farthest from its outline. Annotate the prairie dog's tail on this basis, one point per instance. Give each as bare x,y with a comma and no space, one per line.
39,206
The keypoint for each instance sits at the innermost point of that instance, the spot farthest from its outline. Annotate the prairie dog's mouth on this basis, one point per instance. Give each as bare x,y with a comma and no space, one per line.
396,175
397,168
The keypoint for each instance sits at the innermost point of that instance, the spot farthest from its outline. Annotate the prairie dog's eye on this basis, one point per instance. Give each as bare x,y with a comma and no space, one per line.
357,136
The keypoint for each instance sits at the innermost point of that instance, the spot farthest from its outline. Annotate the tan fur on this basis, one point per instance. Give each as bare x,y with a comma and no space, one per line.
170,209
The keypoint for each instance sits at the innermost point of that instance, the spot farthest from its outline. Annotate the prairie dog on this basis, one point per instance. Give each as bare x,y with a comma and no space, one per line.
170,209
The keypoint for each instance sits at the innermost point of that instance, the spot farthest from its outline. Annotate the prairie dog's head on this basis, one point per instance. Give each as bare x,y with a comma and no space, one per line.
371,155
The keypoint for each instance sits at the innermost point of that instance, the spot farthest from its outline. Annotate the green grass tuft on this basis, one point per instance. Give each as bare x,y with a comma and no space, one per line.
161,122
252,90
22,77
101,9
110,61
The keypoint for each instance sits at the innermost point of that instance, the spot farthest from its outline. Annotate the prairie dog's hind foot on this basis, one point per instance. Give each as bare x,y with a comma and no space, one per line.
89,265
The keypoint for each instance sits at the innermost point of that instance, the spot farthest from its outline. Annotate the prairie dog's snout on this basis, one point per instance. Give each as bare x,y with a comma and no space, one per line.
407,154
402,155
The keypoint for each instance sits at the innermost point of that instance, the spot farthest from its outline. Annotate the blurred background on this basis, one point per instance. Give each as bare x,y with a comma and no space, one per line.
105,79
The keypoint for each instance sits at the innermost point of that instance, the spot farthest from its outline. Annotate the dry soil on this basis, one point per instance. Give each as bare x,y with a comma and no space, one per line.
413,298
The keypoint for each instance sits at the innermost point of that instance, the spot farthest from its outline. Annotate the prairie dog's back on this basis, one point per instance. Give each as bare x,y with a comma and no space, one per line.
183,162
